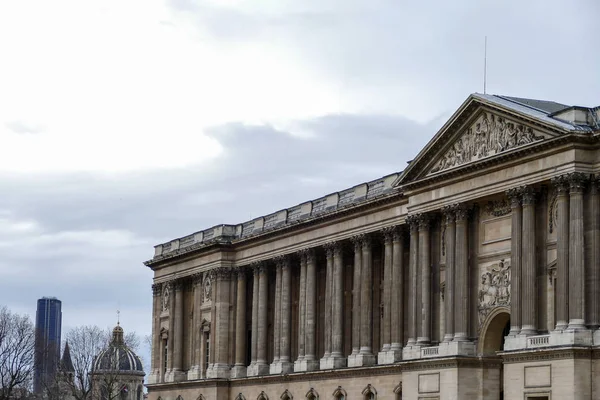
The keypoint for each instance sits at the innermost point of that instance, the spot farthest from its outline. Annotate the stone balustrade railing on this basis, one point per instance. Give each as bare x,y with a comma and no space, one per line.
330,203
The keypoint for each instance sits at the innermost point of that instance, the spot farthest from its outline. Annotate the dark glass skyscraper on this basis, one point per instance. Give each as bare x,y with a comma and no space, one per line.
48,321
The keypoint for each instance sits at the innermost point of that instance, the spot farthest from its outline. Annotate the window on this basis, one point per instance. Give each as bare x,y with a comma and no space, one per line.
312,394
139,393
166,355
124,392
339,394
207,354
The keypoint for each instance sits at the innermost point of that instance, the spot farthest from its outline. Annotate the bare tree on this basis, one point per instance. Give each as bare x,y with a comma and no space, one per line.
17,341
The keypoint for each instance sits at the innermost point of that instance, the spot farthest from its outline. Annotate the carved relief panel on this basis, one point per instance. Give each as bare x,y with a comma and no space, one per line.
494,288
489,135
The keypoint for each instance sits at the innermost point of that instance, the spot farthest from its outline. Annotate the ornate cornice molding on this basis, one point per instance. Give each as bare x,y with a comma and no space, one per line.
579,353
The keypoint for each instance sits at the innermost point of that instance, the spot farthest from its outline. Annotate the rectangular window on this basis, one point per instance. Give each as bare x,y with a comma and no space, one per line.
166,356
206,357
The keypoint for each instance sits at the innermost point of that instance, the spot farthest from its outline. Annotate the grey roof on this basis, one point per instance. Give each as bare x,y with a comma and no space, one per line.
549,107
117,357
528,109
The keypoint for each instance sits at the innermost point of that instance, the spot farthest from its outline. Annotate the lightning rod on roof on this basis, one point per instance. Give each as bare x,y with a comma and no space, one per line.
485,66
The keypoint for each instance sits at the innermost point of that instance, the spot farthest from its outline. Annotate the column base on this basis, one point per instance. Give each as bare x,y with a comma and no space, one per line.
333,362
457,348
281,367
411,352
257,369
362,360
306,365
423,341
389,357
238,371
153,377
218,371
576,325
175,376
528,331
194,373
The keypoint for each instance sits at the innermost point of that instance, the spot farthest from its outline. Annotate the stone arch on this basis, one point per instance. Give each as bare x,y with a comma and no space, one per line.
179,397
262,396
369,392
240,397
398,391
312,394
201,397
492,329
286,395
340,394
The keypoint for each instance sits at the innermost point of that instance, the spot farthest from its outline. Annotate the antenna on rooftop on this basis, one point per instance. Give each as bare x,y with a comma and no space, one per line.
485,66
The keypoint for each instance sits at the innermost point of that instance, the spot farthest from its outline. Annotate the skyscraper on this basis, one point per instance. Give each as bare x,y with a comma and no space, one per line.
48,321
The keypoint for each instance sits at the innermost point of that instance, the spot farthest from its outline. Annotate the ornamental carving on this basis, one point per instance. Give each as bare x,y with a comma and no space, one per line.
166,294
490,135
498,208
494,289
207,287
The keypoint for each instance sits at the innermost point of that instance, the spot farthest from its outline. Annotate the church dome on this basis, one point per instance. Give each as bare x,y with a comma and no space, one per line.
117,357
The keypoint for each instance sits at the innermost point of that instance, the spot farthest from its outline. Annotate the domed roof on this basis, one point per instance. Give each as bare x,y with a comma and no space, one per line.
117,357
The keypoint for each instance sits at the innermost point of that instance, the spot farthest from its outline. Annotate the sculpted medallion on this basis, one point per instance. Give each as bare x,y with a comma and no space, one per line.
490,135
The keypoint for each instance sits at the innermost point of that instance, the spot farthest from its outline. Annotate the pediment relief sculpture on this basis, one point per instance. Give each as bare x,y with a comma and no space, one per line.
488,136
494,289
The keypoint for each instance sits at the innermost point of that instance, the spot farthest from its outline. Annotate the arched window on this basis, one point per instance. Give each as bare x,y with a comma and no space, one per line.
312,394
240,397
262,396
369,393
398,391
139,392
286,395
340,394
179,398
201,397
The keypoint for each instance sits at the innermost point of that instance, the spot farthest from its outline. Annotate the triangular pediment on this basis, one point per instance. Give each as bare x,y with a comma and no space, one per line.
479,130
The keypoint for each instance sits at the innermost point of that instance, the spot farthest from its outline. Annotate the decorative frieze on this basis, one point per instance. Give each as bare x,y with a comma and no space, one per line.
489,136
498,208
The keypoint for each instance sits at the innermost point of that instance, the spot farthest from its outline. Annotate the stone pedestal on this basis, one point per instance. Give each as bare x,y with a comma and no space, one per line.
194,373
306,365
175,376
389,357
153,377
257,369
238,371
333,362
457,348
219,371
362,360
412,352
281,367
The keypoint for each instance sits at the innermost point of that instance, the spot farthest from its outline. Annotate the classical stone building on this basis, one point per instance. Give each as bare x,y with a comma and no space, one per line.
472,274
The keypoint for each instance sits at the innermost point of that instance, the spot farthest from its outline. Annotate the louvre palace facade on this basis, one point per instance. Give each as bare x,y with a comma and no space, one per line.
472,274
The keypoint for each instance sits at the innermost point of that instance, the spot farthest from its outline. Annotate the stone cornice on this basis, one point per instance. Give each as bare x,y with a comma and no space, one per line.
548,354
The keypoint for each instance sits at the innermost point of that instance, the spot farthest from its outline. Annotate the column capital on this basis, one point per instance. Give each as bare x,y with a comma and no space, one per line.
196,278
366,242
388,233
413,222
514,196
357,240
424,221
577,181
156,289
177,284
449,213
308,254
329,249
241,272
561,183
222,273
528,195
398,234
282,261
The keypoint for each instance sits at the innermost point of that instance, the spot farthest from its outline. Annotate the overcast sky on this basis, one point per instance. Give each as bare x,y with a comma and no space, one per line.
126,123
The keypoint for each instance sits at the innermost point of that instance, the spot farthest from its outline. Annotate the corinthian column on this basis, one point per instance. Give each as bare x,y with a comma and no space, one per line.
397,295
562,252
593,273
301,312
356,284
449,290
177,373
413,274
239,369
274,367
328,305
221,367
310,362
337,359
577,183
195,371
365,356
392,284
516,247
154,376
254,334
425,266
281,363
528,264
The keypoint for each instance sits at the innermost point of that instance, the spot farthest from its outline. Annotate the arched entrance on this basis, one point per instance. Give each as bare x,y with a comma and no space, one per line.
491,339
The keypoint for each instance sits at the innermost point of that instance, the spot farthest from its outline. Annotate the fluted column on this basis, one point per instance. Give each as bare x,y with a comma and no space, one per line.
221,367
516,247
425,267
397,295
263,323
310,344
449,214
577,183
388,235
286,316
301,312
178,345
357,244
562,251
461,276
276,318
328,305
170,303
593,272
195,371
413,274
254,334
337,359
365,356
239,369
154,376
528,264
